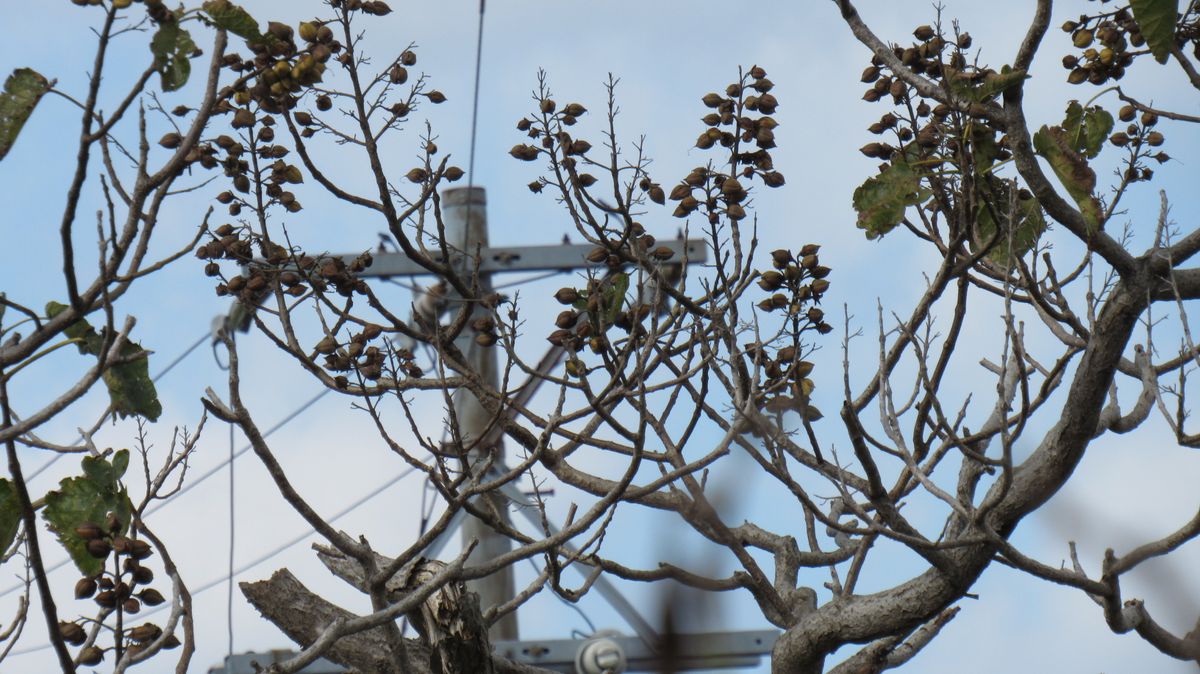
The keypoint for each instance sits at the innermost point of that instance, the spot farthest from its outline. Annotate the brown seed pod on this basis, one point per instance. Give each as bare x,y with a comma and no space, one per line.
91,656
142,574
99,548
88,531
144,632
524,152
140,549
770,281
106,599
85,587
566,295
773,179
243,119
72,633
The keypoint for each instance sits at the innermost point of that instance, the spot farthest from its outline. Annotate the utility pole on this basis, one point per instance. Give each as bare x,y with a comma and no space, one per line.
464,217
464,212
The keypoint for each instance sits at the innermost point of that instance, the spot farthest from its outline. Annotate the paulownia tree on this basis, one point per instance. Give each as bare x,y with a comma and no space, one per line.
659,375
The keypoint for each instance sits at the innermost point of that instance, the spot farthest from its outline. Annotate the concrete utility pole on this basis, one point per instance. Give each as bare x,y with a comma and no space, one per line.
465,219
464,212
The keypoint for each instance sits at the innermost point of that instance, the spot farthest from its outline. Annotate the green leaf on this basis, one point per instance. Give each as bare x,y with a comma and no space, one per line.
130,388
225,14
22,91
1072,170
1156,21
995,84
614,296
10,513
994,199
980,90
88,498
882,199
172,47
120,463
1087,129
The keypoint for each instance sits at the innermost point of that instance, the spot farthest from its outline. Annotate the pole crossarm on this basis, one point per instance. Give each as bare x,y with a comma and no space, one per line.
499,259
699,651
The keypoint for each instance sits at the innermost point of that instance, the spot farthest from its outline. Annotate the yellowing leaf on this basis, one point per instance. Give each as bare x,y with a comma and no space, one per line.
10,513
225,14
1072,170
22,91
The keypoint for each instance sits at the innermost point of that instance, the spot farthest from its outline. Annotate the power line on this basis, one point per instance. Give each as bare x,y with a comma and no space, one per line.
232,540
170,366
191,485
261,558
475,102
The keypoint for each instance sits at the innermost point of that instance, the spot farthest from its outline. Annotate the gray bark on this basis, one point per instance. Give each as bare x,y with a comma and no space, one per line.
302,615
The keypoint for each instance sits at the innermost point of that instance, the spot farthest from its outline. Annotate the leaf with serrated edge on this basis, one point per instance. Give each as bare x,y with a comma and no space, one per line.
22,91
87,498
882,199
1098,123
1087,129
1156,21
129,384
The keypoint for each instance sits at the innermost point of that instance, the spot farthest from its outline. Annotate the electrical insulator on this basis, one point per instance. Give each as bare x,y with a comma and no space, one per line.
600,655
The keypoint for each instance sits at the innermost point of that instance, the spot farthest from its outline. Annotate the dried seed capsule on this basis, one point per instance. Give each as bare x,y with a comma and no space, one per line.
145,632
88,531
91,656
72,633
85,587
98,548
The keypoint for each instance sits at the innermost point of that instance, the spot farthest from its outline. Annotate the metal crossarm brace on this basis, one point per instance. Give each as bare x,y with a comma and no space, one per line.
498,259
707,650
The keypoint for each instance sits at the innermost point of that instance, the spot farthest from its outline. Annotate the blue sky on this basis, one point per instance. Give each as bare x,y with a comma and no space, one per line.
667,55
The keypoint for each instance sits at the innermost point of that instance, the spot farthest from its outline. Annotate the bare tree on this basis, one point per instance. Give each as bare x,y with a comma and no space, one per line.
668,376
659,375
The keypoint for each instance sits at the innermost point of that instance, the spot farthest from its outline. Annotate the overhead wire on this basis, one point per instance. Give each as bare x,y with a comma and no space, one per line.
261,558
233,455
192,484
170,366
